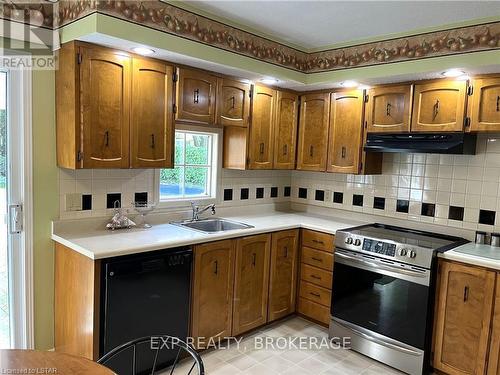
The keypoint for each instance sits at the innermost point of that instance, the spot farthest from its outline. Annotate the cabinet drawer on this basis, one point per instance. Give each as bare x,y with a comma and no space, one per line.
316,276
314,311
315,293
317,240
317,258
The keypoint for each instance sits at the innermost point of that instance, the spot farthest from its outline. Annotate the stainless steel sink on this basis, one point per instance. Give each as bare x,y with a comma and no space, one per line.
213,225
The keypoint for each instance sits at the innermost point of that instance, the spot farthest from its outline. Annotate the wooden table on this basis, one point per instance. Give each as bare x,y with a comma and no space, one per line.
51,363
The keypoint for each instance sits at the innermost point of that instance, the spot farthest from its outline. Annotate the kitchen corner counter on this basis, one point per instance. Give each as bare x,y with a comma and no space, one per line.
474,254
95,242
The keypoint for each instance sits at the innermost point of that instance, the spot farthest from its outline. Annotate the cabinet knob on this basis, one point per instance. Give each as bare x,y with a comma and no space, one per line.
498,103
216,267
261,148
436,108
152,141
196,96
106,138
466,293
388,109
286,251
233,102
285,149
311,151
343,152
254,259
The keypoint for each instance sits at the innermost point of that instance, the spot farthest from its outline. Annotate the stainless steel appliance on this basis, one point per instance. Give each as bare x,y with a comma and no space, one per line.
382,292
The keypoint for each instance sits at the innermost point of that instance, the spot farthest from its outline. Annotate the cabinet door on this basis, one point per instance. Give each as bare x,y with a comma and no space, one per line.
313,132
484,107
389,109
195,97
251,283
261,129
213,289
105,102
439,106
346,128
463,317
283,274
152,124
285,133
233,102
494,357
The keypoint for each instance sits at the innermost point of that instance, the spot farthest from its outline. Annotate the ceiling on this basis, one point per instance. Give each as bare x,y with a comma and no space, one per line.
313,24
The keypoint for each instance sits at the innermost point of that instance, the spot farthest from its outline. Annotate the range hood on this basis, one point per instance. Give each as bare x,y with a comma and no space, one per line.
430,143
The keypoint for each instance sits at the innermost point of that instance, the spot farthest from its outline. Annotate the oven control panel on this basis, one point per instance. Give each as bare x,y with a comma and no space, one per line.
379,247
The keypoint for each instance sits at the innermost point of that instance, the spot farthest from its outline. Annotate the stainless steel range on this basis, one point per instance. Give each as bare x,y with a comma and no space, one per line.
382,292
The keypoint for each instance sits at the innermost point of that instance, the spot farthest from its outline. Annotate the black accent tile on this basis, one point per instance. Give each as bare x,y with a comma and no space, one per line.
228,194
287,191
428,209
456,213
303,193
379,203
487,217
86,202
274,192
259,193
357,200
320,195
244,192
402,205
141,197
111,198
338,197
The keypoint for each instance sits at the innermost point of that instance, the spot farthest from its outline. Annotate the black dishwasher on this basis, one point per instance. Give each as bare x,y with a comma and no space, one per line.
142,295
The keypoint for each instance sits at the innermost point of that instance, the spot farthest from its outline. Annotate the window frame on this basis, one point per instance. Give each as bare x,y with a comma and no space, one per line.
214,178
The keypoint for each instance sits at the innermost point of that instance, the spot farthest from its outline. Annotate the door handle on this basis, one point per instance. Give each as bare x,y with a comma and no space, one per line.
314,294
196,96
311,151
261,148
286,251
254,259
498,103
152,141
233,101
388,109
317,259
343,152
466,293
316,277
436,108
285,149
15,218
106,138
318,241
216,264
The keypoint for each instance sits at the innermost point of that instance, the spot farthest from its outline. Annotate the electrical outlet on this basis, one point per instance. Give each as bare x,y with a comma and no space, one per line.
74,202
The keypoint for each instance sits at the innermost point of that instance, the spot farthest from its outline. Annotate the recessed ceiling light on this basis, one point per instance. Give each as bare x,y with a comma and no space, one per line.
143,50
269,81
453,73
349,84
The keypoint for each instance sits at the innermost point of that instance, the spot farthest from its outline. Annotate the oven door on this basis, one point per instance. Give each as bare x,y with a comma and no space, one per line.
375,295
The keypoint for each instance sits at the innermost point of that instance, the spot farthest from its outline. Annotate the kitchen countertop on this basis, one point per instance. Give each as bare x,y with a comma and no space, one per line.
97,243
475,254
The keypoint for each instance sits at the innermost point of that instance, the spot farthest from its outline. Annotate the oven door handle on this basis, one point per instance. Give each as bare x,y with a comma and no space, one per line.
377,340
380,266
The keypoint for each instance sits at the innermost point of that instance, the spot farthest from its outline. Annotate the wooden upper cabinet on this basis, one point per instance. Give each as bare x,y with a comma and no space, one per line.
463,317
313,132
283,274
233,102
195,97
152,125
285,130
484,105
212,300
260,146
105,102
346,129
251,282
388,109
439,106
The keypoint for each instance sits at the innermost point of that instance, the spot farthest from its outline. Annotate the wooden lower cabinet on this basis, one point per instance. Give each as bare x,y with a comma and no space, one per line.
251,282
494,356
463,317
283,274
212,300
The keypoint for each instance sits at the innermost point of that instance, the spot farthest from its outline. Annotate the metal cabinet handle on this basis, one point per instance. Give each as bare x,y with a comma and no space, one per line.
254,259
388,109
466,293
498,103
311,150
436,108
261,148
196,96
317,259
318,241
152,141
316,277
216,270
315,294
286,251
233,102
343,152
285,149
106,138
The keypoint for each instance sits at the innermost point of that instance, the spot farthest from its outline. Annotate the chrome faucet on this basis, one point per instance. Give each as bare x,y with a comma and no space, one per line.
197,211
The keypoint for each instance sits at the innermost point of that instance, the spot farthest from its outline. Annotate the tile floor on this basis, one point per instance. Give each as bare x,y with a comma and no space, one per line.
247,359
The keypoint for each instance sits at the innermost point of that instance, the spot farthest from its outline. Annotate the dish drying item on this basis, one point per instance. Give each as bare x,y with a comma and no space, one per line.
119,219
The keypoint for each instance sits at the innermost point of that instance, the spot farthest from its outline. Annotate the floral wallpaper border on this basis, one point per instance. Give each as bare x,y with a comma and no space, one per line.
176,21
